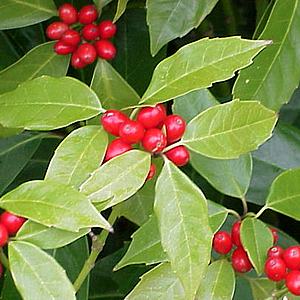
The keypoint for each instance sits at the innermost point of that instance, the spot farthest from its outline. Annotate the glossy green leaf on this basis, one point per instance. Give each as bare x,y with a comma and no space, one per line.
111,88
168,20
53,204
145,247
41,60
185,233
15,153
30,105
8,53
231,177
80,153
6,132
118,179
47,237
217,215
102,3
21,13
275,68
198,65
219,282
9,290
229,130
120,9
284,196
159,283
261,288
35,283
256,238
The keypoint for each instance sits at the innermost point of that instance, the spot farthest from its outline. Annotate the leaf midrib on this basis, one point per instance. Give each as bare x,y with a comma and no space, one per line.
37,7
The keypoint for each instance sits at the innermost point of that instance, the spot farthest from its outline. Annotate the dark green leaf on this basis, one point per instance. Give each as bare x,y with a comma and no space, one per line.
6,132
262,288
120,9
8,53
9,290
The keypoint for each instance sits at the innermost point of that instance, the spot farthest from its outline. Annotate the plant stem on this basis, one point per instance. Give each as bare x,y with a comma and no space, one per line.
234,213
279,293
4,259
172,146
98,242
261,211
245,205
133,113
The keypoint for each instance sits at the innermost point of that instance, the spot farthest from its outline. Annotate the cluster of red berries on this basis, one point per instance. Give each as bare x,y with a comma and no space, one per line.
85,45
153,129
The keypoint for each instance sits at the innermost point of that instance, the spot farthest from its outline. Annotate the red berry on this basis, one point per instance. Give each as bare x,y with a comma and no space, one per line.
152,172
151,117
63,49
275,235
240,261
180,156
68,13
291,256
12,222
76,62
131,132
175,127
292,282
105,49
154,140
87,53
88,14
115,148
235,233
90,32
222,242
275,252
3,235
55,30
107,29
275,269
111,121
71,37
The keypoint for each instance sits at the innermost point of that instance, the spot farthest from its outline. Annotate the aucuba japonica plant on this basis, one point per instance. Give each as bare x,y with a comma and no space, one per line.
149,149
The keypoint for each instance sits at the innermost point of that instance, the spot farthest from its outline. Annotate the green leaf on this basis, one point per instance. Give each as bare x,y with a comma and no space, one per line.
32,102
284,196
15,153
47,238
8,53
118,179
120,9
198,65
229,130
35,283
275,68
219,282
6,132
21,13
80,153
9,290
41,60
172,19
181,210
53,204
159,283
217,215
145,247
111,88
230,177
256,238
193,103
261,288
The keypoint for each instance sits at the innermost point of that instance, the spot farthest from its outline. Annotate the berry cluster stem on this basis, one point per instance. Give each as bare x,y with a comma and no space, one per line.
279,293
245,205
98,242
179,143
3,259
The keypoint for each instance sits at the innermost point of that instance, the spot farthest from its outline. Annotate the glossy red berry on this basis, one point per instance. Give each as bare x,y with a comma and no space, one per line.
291,256
111,121
90,32
107,29
175,127
87,53
292,282
88,14
63,49
3,235
275,252
275,269
12,222
275,235
151,117
55,30
235,233
240,261
105,49
180,156
76,61
131,132
71,37
152,172
115,148
222,242
68,13
154,140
